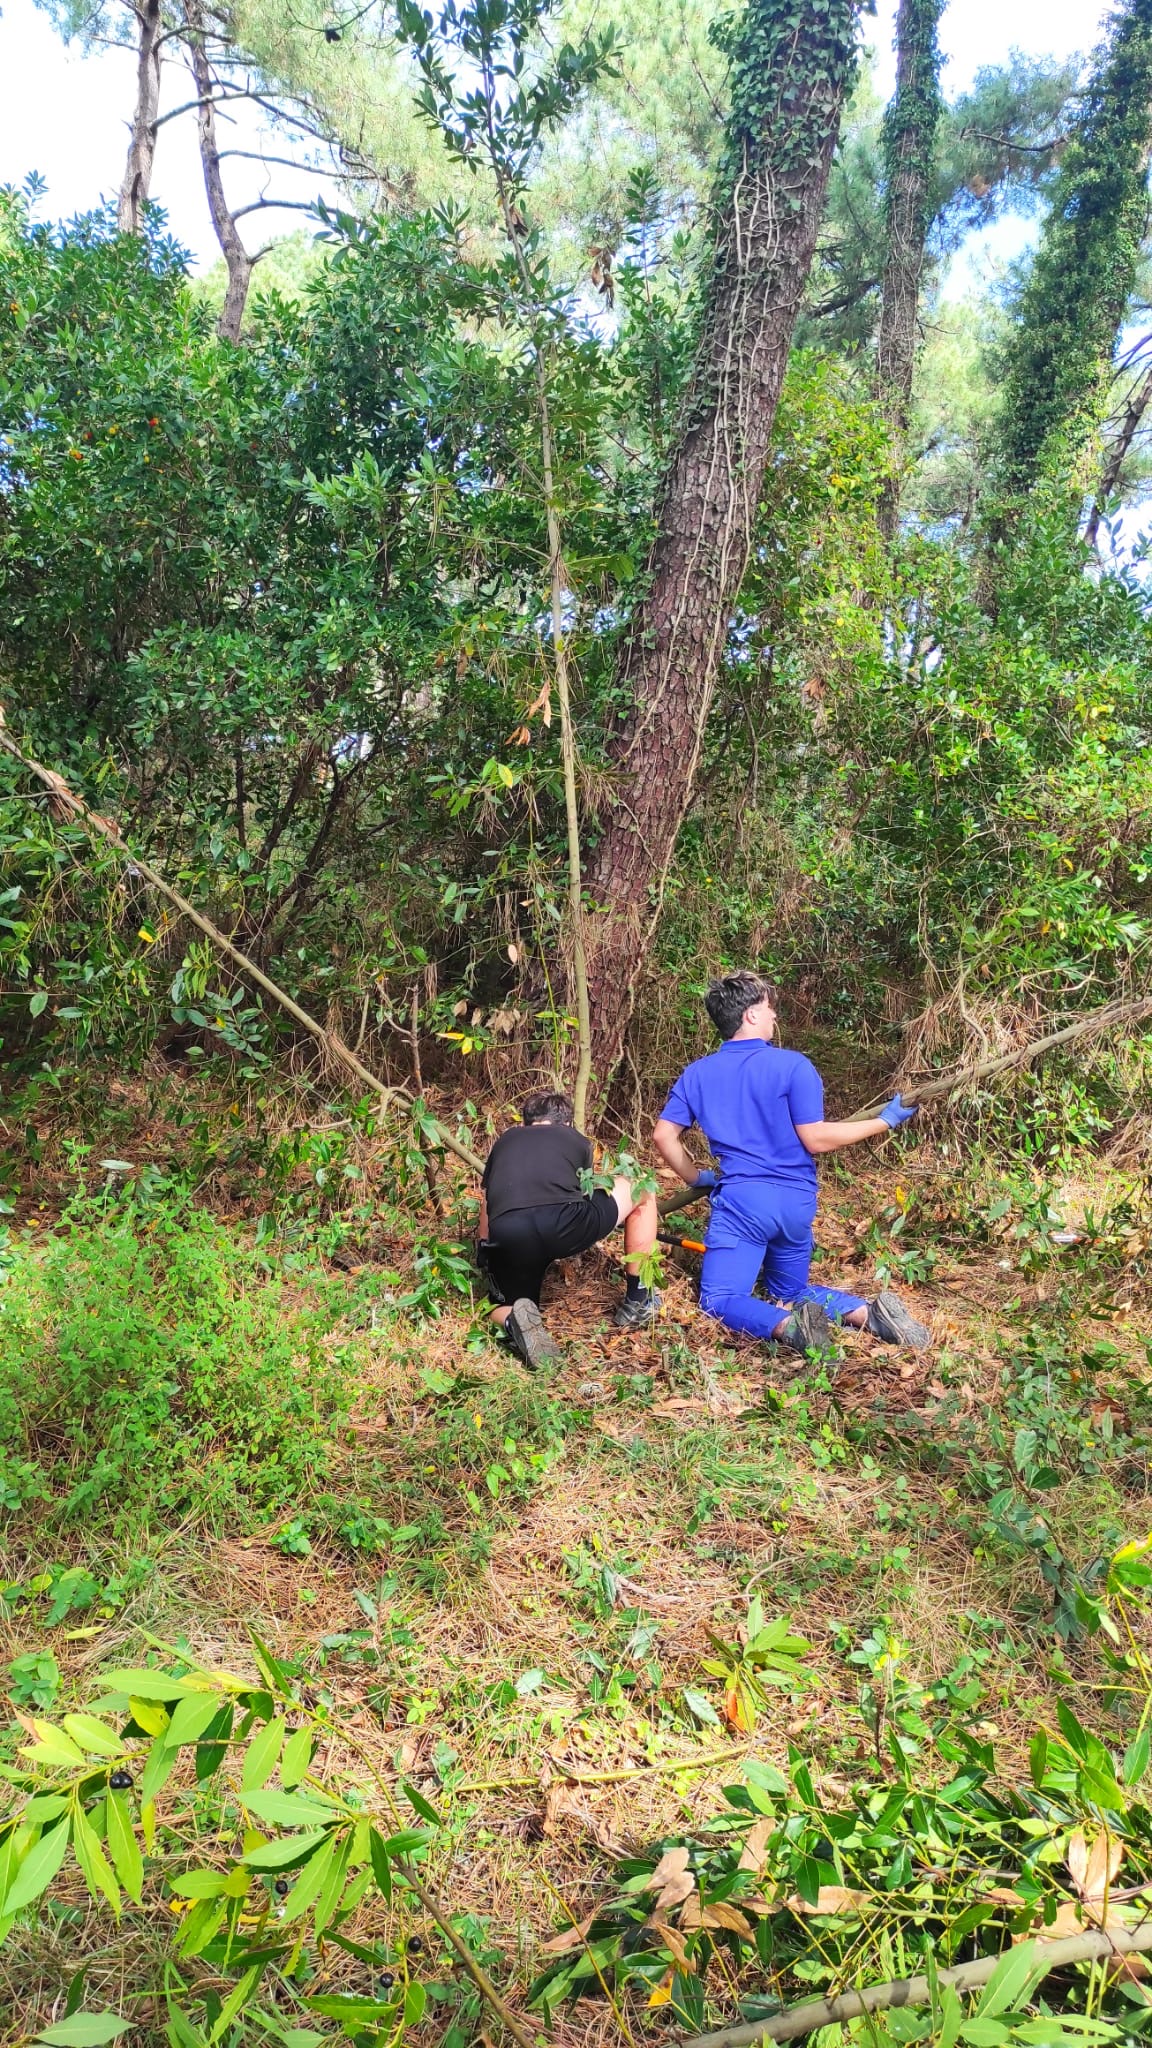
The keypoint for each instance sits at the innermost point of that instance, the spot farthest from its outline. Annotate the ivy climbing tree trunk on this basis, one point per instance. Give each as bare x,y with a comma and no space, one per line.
1059,358
142,146
792,65
909,137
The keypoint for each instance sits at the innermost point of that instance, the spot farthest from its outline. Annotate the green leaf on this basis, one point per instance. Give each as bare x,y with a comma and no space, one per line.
38,1869
181,2032
985,2033
951,2018
151,1685
274,1674
123,1847
701,1706
148,1715
381,1867
419,1804
84,2030
1136,1757
236,2000
159,1765
1074,1735
90,1856
212,1748
94,1736
53,1747
192,1715
199,1884
308,1885
1012,1982
407,1840
38,1003
274,1855
415,1999
296,1758
262,1755
333,1886
289,1809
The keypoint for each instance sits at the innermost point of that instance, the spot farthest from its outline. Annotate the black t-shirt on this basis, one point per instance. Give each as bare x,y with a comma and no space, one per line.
534,1165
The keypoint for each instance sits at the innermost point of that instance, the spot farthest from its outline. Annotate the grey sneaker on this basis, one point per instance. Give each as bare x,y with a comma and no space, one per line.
889,1320
528,1336
807,1329
637,1313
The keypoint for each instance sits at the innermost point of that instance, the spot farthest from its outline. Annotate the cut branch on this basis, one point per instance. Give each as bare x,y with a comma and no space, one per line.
1103,1019
831,2012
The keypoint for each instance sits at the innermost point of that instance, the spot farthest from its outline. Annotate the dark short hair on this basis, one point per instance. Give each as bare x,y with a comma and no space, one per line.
731,994
549,1107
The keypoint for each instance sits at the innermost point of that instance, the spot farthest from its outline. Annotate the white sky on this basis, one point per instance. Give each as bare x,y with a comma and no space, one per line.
65,114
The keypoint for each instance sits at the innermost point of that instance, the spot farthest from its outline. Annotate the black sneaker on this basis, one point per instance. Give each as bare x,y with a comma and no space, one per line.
889,1320
637,1311
529,1339
807,1329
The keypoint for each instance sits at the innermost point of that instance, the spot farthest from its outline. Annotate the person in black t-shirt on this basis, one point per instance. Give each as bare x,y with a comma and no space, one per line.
532,1211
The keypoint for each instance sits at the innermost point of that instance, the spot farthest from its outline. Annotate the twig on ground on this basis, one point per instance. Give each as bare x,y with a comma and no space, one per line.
830,2012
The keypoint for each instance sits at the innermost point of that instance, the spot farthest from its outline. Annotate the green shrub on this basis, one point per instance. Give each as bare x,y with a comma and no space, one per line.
150,1360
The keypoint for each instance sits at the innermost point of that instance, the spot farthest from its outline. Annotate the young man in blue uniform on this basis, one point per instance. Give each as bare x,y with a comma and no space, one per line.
761,1111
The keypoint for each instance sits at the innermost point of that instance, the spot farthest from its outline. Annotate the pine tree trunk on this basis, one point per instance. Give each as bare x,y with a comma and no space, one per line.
142,147
792,67
909,138
240,263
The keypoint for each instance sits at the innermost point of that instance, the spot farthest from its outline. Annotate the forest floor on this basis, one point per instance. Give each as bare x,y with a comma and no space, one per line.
510,1587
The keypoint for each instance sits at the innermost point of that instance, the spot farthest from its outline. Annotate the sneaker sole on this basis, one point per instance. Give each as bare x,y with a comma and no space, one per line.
536,1347
899,1326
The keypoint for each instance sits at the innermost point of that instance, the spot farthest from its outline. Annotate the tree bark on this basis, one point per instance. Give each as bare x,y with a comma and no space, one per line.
142,147
240,263
909,137
792,67
1134,410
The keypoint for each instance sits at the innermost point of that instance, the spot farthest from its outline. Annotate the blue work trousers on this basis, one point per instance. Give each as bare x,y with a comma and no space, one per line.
761,1231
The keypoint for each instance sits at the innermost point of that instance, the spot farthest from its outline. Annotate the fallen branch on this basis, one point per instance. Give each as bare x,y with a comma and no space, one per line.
334,1046
830,2012
1097,1020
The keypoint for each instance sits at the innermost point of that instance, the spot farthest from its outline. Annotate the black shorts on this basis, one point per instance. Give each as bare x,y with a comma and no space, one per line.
524,1243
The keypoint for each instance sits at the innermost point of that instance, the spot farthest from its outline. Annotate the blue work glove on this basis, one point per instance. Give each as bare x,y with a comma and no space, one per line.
895,1113
706,1179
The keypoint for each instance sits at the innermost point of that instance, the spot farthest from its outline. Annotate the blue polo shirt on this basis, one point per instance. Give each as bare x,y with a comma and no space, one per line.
747,1099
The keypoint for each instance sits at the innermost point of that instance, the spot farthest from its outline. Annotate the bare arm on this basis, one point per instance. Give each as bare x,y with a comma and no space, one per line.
667,1140
482,1219
833,1137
